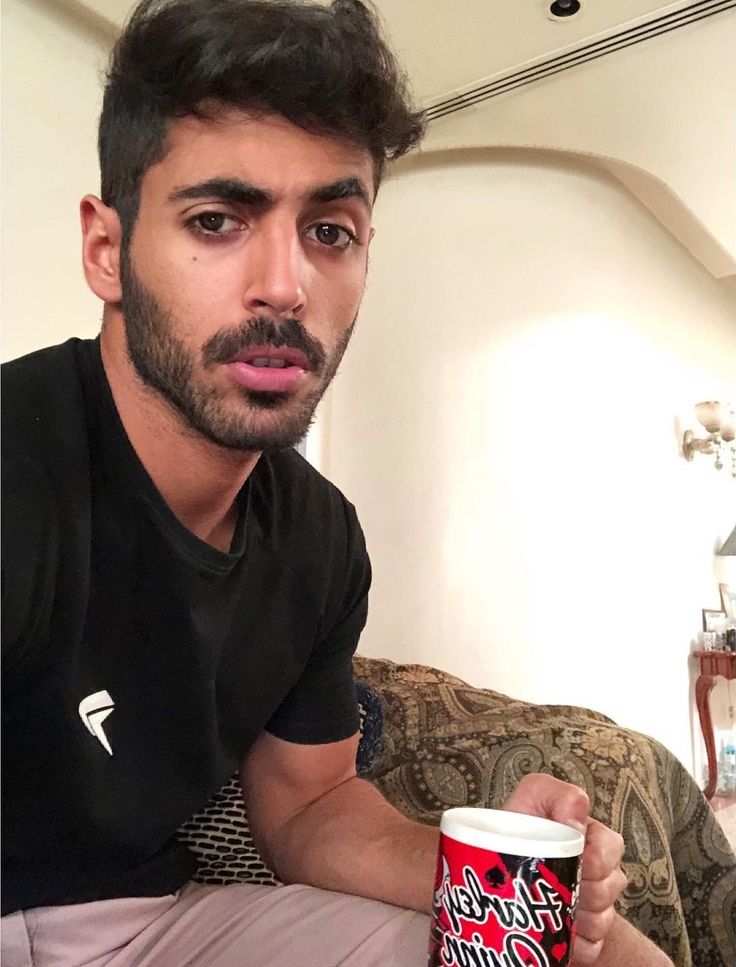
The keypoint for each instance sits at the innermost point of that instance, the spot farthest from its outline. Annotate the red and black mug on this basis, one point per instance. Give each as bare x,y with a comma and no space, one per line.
505,892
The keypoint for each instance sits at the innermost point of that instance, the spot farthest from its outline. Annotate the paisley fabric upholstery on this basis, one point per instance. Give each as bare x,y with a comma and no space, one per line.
448,744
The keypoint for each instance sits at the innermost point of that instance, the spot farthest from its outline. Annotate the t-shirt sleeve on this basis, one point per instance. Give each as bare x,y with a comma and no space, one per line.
322,707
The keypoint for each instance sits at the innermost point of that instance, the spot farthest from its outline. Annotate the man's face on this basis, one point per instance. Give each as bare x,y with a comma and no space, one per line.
244,274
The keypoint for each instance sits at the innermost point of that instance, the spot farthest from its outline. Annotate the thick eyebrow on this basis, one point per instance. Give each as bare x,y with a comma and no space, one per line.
242,193
224,189
345,188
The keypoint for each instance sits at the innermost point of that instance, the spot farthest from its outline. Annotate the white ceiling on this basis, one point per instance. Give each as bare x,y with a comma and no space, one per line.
447,45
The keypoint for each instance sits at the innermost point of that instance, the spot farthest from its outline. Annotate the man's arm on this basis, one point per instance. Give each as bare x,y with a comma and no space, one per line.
316,822
624,946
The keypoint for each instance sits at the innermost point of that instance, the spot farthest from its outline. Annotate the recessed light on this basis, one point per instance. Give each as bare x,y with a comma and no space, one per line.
564,8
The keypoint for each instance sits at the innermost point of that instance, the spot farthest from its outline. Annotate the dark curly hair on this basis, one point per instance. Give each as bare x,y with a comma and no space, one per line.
325,69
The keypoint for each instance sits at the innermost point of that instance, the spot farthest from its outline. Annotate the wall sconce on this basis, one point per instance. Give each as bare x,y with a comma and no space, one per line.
719,420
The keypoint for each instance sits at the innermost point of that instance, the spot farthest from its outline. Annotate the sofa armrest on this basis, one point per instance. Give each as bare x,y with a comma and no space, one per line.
448,744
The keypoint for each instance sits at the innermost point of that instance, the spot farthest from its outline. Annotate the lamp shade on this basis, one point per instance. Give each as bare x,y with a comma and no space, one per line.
729,546
710,415
724,562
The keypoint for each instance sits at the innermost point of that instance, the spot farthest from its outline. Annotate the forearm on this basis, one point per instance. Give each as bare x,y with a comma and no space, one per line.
625,945
352,841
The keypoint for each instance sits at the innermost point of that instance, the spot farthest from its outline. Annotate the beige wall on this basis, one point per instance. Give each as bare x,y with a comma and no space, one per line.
666,107
528,292
51,70
506,424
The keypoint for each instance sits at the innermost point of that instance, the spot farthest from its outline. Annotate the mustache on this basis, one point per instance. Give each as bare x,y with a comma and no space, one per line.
263,331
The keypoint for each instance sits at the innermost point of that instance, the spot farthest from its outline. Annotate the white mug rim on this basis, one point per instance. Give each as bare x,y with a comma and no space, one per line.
516,834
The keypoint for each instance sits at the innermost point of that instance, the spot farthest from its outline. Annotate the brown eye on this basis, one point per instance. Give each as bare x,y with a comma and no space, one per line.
211,221
328,234
333,236
214,223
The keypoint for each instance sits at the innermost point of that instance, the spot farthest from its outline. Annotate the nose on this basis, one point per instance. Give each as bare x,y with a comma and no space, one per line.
275,271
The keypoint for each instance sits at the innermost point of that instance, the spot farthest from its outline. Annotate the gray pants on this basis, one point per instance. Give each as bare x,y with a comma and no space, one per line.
219,926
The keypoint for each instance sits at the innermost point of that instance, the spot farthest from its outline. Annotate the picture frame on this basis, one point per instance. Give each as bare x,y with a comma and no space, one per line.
728,599
711,619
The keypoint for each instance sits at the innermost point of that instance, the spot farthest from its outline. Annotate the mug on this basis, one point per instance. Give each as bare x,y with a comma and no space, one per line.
506,890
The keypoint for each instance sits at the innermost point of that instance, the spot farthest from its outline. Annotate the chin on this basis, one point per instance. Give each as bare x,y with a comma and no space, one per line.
267,401
270,424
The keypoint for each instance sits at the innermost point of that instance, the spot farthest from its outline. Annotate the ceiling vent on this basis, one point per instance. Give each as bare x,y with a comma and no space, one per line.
583,53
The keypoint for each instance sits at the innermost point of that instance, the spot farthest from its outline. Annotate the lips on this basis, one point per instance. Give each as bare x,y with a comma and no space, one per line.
269,369
264,361
273,357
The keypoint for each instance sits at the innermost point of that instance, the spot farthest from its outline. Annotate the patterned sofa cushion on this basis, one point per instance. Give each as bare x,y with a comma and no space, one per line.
446,744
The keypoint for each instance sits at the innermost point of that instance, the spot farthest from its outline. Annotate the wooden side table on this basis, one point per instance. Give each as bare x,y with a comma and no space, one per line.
712,664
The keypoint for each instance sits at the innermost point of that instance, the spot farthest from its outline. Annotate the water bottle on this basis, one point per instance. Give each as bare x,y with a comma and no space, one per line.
730,776
726,765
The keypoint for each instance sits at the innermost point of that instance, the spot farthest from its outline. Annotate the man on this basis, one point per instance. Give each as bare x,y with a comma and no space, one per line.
183,592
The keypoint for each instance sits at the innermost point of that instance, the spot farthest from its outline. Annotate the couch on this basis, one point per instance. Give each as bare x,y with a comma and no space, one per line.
430,741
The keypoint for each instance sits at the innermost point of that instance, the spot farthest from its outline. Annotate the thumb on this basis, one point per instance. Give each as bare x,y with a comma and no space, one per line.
550,798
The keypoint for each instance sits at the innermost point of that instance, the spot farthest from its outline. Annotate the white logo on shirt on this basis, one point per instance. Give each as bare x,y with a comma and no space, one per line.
93,710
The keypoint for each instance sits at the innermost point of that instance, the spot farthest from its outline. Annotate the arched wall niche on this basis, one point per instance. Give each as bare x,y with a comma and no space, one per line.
505,421
650,190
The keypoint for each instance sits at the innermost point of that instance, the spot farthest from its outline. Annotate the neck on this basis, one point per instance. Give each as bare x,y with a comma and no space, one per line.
198,479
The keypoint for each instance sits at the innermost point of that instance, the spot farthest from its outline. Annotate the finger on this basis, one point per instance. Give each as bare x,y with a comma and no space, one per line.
598,895
594,927
604,850
542,795
584,952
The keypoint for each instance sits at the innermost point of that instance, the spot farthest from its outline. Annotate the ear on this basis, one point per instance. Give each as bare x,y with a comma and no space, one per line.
101,235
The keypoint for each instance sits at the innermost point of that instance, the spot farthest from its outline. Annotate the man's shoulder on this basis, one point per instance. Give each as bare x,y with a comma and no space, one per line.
45,472
41,386
289,464
296,506
44,417
286,478
313,529
34,365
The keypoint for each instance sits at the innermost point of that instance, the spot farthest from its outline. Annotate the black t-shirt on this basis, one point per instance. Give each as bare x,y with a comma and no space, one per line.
139,663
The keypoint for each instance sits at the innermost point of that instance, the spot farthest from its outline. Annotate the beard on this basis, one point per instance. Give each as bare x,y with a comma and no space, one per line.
256,421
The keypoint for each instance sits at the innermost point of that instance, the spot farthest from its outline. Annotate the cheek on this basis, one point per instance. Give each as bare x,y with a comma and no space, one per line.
199,298
166,262
337,300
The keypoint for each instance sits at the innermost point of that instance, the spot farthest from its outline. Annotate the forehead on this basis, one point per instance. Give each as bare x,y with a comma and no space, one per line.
267,151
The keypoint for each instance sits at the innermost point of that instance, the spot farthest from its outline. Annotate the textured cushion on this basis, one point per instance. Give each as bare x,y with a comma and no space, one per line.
219,835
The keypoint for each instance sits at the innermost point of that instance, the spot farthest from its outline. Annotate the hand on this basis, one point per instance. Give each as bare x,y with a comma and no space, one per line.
602,879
